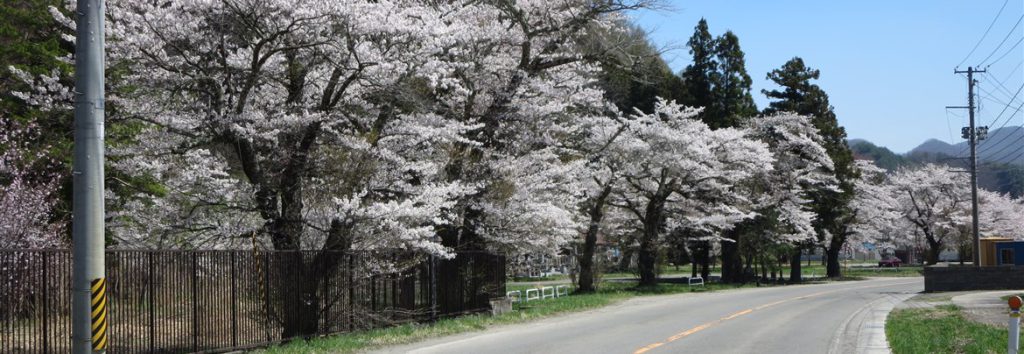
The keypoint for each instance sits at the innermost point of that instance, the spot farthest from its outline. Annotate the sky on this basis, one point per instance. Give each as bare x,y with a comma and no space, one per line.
887,65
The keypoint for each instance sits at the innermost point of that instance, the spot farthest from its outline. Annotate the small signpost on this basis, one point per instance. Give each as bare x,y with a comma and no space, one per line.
1014,342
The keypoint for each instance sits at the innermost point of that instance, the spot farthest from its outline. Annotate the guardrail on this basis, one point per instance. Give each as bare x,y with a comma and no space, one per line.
538,293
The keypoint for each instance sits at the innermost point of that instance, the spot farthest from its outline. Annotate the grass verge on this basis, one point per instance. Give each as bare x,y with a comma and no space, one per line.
942,329
609,293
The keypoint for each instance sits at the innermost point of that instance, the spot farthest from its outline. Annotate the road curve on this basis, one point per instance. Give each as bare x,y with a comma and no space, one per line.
819,318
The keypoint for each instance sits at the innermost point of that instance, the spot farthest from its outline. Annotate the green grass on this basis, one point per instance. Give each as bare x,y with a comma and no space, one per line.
608,293
942,329
533,279
860,272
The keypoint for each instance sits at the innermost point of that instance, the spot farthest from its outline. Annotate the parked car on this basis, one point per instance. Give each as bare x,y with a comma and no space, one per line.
890,262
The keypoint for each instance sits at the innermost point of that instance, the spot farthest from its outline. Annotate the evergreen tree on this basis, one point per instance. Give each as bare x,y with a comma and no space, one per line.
30,42
718,81
799,95
732,100
697,78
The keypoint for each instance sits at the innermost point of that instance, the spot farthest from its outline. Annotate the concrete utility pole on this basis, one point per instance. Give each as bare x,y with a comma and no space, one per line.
88,299
971,133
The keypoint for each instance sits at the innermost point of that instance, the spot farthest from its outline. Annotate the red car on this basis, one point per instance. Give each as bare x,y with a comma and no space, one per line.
890,262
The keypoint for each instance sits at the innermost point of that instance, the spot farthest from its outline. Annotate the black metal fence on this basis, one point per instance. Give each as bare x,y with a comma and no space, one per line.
210,301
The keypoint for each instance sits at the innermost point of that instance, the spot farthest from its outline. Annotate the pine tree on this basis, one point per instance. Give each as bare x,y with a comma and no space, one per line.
697,81
30,42
731,92
801,96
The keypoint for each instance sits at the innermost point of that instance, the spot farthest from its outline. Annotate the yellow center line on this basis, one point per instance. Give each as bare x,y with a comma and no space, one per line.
702,327
649,347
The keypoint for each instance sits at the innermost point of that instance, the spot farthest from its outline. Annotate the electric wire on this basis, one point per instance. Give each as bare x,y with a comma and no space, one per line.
1011,50
996,120
1007,146
1003,41
982,39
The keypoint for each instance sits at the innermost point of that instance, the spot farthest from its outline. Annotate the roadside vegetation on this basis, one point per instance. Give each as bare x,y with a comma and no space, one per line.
942,329
608,293
816,271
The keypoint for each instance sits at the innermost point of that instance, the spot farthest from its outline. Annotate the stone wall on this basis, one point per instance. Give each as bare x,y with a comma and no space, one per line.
961,278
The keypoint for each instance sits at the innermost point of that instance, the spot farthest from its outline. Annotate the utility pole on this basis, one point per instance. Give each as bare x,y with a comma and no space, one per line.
88,299
972,134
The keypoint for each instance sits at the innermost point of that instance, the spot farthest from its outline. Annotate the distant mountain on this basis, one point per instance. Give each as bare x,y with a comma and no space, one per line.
935,146
1000,157
1003,145
883,157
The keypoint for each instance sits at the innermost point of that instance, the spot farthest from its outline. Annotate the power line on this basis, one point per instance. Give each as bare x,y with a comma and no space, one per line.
1003,41
1006,146
1016,158
1007,52
982,39
1011,155
996,121
949,127
989,146
992,98
999,83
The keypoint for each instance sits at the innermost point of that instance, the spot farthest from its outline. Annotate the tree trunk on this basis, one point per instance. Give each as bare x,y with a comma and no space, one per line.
301,302
647,259
833,269
794,266
586,260
299,292
705,259
732,263
934,248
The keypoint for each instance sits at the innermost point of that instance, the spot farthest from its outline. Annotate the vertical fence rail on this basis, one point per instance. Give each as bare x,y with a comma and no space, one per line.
215,301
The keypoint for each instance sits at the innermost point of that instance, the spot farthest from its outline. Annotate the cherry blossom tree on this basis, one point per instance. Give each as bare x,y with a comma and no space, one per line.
27,218
336,125
27,199
876,205
678,173
933,199
999,215
800,163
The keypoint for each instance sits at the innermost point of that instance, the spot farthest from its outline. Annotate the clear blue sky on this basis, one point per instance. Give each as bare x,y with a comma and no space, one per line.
887,65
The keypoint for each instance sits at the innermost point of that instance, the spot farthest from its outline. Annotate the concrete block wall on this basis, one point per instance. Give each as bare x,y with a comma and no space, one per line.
962,278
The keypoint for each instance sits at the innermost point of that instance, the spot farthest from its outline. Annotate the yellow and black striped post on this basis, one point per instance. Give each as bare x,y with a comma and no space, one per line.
99,314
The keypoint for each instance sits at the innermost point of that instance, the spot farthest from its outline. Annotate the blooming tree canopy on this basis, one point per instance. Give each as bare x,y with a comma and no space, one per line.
933,199
678,173
800,163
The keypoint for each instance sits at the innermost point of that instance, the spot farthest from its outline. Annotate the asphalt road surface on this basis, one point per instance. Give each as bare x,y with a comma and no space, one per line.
841,317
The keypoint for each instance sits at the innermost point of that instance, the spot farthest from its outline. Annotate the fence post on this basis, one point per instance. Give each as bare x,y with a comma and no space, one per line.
433,288
152,304
234,302
195,303
46,307
266,292
351,294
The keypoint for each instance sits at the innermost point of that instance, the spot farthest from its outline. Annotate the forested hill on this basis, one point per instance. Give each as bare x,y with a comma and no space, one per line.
993,174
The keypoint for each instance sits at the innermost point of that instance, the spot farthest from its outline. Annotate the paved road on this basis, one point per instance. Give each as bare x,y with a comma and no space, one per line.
843,317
